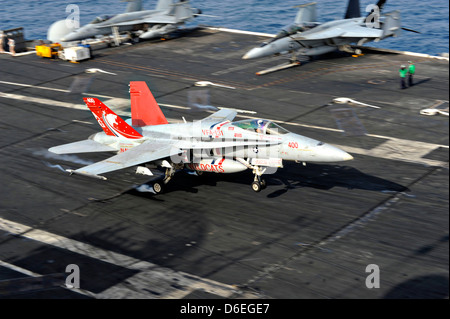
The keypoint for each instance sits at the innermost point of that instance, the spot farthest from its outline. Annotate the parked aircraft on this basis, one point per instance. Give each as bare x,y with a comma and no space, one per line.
217,143
166,18
309,37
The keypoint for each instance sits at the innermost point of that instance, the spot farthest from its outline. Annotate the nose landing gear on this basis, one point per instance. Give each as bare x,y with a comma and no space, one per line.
259,183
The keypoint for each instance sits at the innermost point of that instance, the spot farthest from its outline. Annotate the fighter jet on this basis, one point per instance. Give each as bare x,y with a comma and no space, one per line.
308,37
166,18
216,144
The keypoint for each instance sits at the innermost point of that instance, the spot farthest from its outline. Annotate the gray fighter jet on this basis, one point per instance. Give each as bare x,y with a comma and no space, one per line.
308,37
166,18
215,144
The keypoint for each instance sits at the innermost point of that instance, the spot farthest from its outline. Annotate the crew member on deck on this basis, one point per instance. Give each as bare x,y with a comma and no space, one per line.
403,71
411,71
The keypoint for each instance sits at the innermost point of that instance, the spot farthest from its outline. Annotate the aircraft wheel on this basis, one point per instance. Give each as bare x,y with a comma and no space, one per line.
358,51
158,187
256,186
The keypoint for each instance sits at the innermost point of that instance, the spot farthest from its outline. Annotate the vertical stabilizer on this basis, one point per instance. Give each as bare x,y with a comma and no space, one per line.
306,13
133,5
353,10
392,24
381,4
183,11
144,109
164,4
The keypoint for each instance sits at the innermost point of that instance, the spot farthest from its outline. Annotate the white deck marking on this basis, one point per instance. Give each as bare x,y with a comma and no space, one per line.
394,148
18,269
260,34
35,275
51,89
161,280
400,150
117,103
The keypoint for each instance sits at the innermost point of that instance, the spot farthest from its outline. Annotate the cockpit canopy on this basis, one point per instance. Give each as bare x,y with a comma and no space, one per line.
101,19
261,126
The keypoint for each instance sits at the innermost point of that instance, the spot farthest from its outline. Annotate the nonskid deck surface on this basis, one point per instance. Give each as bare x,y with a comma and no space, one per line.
310,234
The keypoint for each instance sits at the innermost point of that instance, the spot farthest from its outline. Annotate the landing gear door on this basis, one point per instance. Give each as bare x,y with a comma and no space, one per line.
267,162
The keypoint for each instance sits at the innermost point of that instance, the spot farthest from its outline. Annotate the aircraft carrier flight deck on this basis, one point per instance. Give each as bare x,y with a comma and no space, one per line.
311,233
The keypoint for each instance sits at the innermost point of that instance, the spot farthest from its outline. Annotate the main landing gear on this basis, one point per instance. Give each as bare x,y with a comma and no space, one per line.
159,185
259,183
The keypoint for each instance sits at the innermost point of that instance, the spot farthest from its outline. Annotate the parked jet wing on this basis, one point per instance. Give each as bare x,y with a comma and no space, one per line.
149,20
146,152
86,146
319,35
355,32
362,32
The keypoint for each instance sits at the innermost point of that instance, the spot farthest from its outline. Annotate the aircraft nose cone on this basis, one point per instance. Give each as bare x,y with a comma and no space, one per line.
334,154
348,157
69,37
253,54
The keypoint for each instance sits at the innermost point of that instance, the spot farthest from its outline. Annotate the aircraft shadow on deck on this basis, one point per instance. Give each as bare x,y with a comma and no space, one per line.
293,176
433,286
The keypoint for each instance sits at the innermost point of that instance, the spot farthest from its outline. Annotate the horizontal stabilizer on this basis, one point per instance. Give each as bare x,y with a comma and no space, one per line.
86,146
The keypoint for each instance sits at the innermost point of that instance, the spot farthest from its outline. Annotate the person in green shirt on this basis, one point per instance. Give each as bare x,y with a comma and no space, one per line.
403,71
411,71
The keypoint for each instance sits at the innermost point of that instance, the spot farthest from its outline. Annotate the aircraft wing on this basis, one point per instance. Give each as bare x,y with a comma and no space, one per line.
146,152
86,146
319,35
353,32
158,19
362,32
220,116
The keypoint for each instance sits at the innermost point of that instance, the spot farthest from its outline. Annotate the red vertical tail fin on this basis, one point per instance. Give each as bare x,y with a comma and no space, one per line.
144,109
110,122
